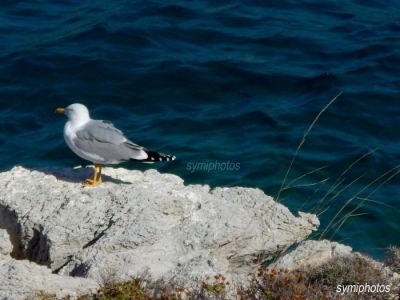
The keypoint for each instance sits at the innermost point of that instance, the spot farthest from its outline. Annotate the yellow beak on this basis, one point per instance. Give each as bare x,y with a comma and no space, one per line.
59,110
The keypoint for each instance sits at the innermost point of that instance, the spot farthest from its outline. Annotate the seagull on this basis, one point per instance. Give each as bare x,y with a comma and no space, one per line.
101,143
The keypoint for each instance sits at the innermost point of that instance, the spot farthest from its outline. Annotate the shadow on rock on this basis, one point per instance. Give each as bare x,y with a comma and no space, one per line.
78,175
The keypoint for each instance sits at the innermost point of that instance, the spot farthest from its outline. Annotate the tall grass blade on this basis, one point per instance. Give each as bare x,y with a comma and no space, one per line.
328,227
303,140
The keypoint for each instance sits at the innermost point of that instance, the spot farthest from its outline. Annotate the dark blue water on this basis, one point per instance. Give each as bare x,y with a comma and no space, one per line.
234,82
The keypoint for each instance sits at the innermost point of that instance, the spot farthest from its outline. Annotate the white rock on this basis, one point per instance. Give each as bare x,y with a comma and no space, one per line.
5,243
311,253
139,222
22,279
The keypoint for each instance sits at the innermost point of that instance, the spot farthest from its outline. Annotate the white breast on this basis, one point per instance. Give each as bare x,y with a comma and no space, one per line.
69,135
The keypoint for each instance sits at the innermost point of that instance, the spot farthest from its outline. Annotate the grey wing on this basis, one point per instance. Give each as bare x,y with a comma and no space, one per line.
106,143
101,131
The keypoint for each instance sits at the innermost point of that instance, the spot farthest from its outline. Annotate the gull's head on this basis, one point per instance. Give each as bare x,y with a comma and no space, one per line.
76,113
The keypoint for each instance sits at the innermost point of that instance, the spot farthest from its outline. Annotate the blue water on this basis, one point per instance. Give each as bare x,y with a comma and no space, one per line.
234,82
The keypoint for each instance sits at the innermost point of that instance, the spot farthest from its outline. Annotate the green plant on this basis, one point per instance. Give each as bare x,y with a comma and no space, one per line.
132,289
214,287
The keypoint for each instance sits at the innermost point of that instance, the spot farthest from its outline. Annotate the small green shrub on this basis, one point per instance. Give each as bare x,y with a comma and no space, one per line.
133,289
213,288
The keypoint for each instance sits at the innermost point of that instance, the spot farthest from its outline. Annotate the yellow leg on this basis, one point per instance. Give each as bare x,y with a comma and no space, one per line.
96,179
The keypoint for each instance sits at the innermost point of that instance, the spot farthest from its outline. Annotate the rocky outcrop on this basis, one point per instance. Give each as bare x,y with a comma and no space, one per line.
135,222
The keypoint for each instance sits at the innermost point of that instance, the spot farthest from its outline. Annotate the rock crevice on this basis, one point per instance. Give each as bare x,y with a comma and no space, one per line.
9,222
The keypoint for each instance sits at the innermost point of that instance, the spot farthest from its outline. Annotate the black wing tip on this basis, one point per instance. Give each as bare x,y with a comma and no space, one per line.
155,156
